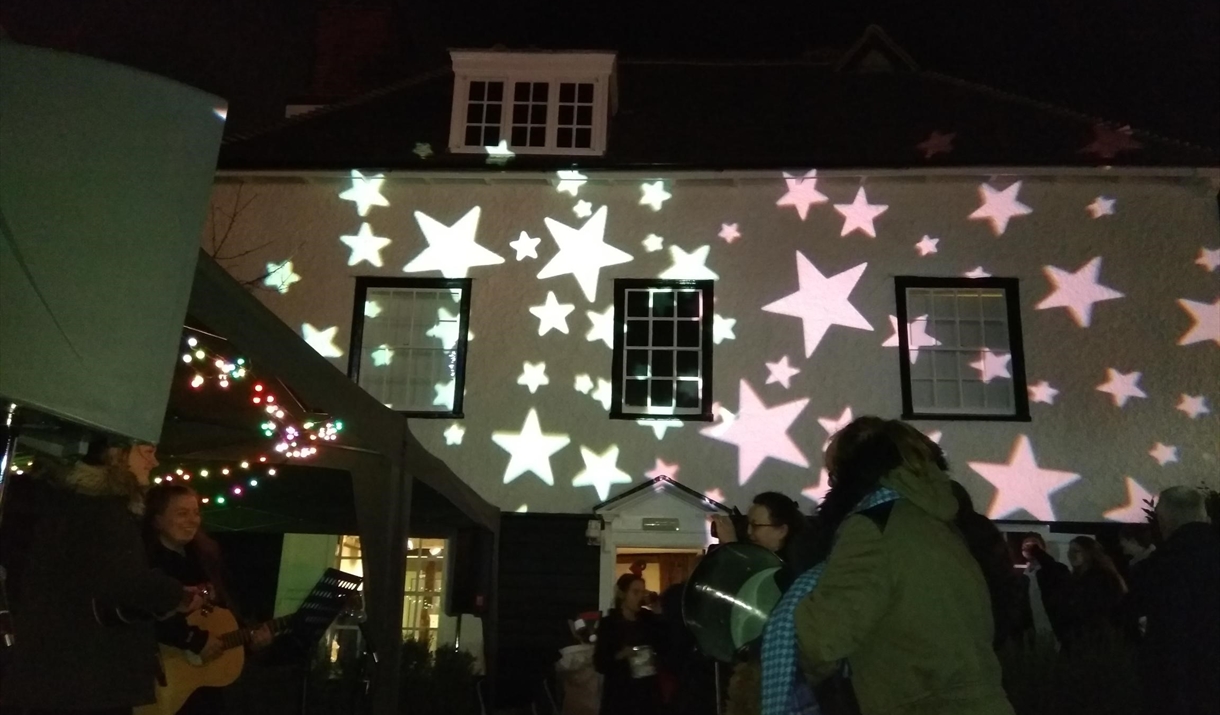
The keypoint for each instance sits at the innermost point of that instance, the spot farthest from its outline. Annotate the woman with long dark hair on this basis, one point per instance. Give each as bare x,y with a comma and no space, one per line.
628,639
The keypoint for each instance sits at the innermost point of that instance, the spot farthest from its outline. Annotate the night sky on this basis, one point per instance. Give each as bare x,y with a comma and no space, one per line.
1155,65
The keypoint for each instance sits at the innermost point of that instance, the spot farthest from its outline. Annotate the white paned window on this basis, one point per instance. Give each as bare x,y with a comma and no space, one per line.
423,586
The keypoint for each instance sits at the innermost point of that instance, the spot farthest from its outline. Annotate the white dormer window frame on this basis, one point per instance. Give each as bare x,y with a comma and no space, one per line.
552,103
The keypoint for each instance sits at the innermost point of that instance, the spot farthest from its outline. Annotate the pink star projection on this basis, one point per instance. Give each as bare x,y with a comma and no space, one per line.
860,214
1101,206
663,469
802,193
1042,392
927,245
1193,406
817,492
1021,484
832,425
781,372
759,432
1121,386
992,365
1133,511
729,232
715,495
936,143
977,272
1163,453
821,302
1077,291
1207,322
917,336
1209,259
1108,141
999,207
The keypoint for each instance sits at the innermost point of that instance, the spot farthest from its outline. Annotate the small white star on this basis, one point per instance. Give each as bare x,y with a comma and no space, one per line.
722,328
781,372
365,192
525,246
280,276
992,365
654,195
659,427
422,149
1043,392
499,154
689,266
1121,386
444,394
570,182
1209,258
1164,453
365,246
832,425
1101,206
653,243
382,356
533,376
583,209
321,340
552,314
802,193
729,232
603,393
454,435
917,336
927,245
372,309
584,383
1193,406
859,215
601,471
1000,206
603,326
977,272
1207,322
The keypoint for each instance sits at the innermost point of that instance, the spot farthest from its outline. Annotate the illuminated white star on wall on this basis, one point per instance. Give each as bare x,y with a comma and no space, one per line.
781,372
382,356
654,194
1121,386
365,246
499,154
525,246
1021,484
659,427
365,192
689,266
570,182
583,209
759,432
280,276
583,252
1163,453
1077,291
1101,206
451,249
422,149
454,434
1207,322
322,340
447,329
602,327
927,245
860,214
1042,392
802,193
372,309
729,232
552,315
723,328
832,425
821,302
992,365
817,492
653,243
584,384
533,376
917,336
530,450
445,392
1193,406
1209,259
1133,511
603,393
999,207
601,471
977,272
663,469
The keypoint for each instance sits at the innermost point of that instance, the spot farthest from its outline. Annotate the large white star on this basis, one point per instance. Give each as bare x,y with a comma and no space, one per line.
1133,511
1042,392
859,215
832,425
759,432
280,276
1209,258
654,194
322,340
1121,386
1163,453
525,246
1022,484
927,245
602,326
660,427
1077,291
583,252
365,246
365,192
723,328
1000,206
601,471
552,314
1101,206
1207,322
992,365
821,302
533,376
530,449
451,249
570,182
781,372
689,266
1193,406
917,336
802,193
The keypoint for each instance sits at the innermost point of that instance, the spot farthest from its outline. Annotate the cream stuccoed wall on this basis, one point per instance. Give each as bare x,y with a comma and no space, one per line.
1081,457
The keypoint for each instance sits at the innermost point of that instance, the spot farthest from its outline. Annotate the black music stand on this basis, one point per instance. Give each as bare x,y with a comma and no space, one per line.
321,607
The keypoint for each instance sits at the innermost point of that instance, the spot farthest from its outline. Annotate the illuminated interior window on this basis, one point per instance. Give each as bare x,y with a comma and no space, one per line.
961,352
484,113
423,586
662,349
412,355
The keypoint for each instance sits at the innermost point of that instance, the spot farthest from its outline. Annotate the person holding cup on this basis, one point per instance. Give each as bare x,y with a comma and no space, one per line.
628,638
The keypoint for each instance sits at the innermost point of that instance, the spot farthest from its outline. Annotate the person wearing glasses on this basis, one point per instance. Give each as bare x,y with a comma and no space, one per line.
774,522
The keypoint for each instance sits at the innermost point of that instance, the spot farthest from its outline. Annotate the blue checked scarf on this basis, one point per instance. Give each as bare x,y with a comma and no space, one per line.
784,690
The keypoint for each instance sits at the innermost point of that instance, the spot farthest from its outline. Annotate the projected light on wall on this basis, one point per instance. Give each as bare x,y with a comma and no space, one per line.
1000,207
280,276
1021,485
365,192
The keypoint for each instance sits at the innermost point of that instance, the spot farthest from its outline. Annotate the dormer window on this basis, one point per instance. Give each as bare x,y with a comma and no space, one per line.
538,103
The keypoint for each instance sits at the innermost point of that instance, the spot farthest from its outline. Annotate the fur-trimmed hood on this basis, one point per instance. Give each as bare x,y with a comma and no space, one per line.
100,481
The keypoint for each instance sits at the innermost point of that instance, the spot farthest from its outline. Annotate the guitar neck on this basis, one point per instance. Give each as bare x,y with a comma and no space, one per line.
243,636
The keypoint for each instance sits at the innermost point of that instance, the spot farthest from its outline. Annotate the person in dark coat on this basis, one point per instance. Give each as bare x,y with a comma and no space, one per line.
1178,591
624,636
1044,593
990,549
79,647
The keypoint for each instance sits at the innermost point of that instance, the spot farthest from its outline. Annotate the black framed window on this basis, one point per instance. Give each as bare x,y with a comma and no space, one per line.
409,340
961,354
662,349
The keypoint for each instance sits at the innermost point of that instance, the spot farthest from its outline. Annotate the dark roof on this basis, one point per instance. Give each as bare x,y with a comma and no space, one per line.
735,115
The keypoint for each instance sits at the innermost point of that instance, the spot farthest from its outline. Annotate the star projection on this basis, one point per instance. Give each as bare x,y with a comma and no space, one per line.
999,207
1193,406
570,182
530,450
1042,392
451,249
1137,500
1163,453
936,143
1209,259
382,356
654,194
583,384
917,336
422,150
802,193
552,315
821,302
722,328
689,266
602,326
525,246
832,425
1121,386
781,372
280,276
991,366
660,427
445,392
372,309
663,469
1077,291
583,209
499,154
927,245
1207,322
977,272
817,493
454,434
322,340
365,192
1101,206
583,252
729,232
533,376
860,214
447,329
365,246
601,471
653,243
1022,485
759,432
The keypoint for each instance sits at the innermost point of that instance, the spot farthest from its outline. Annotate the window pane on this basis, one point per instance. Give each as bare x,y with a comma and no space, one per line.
921,394
637,332
538,114
946,393
635,393
586,92
662,393
566,114
662,333
637,304
662,304
637,363
520,136
688,304
688,363
689,333
474,136
521,113
478,91
521,92
662,363
972,395
567,92
493,114
495,91
563,138
995,335
584,139
541,89
688,394
537,136
944,364
584,115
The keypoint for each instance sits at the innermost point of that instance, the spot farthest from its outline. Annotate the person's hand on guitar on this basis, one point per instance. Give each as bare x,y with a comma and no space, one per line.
261,638
212,649
192,600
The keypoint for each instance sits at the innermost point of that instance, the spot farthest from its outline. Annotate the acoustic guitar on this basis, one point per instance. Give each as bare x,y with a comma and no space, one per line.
185,672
